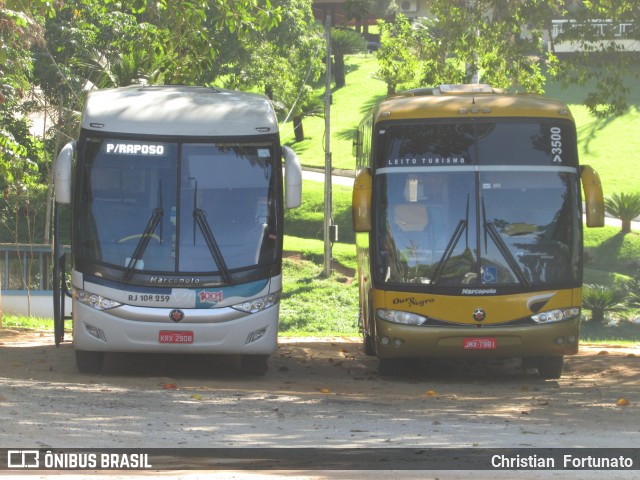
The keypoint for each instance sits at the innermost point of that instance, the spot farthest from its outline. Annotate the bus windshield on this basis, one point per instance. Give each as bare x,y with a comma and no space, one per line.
488,204
164,208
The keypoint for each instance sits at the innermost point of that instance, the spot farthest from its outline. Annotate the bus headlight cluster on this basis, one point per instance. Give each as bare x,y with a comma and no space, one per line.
94,301
398,316
556,315
258,304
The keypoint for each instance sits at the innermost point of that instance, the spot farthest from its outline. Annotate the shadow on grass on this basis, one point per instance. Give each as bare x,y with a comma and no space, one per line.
624,331
606,254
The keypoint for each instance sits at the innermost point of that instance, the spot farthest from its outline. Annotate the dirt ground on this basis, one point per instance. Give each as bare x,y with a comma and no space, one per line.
317,392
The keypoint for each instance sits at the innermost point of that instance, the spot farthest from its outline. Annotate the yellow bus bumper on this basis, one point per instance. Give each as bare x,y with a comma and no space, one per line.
405,341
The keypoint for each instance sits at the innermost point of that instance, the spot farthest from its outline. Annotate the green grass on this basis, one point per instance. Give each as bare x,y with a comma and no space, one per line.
625,333
610,255
307,221
31,323
313,305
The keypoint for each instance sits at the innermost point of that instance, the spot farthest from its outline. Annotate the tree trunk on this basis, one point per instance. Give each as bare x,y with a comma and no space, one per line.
297,128
597,315
339,72
626,226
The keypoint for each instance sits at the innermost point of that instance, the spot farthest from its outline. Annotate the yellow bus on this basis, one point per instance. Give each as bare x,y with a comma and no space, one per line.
468,214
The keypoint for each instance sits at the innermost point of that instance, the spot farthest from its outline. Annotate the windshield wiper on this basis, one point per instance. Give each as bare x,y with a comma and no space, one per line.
492,231
448,251
156,216
200,219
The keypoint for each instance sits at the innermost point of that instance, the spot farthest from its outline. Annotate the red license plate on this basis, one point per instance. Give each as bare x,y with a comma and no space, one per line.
170,336
482,343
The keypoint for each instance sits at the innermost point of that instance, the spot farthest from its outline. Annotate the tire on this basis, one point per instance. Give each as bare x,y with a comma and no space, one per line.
256,365
550,367
89,362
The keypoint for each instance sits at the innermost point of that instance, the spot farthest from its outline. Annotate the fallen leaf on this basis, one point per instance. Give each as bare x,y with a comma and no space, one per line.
325,390
603,352
430,393
196,396
169,386
623,402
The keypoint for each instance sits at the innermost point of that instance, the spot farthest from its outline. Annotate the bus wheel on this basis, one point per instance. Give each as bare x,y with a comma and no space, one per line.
550,367
255,364
89,362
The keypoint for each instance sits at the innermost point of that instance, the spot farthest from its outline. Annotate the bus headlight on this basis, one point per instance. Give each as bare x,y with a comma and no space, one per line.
556,315
94,301
258,304
398,316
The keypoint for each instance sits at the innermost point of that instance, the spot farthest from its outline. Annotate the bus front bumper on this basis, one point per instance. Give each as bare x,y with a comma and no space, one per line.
403,341
249,334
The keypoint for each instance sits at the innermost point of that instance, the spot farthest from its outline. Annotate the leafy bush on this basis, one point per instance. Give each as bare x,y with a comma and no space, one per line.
632,289
600,299
623,206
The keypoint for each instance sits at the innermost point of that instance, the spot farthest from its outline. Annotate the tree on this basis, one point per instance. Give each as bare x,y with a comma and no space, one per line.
600,299
505,42
283,61
601,59
297,105
358,10
466,39
396,56
362,10
344,42
625,207
632,289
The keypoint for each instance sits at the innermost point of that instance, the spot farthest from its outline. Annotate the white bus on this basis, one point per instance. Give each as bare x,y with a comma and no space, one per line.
176,197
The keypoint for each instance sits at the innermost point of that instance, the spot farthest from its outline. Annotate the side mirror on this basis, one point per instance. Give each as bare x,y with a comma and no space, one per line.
62,173
361,201
292,178
593,196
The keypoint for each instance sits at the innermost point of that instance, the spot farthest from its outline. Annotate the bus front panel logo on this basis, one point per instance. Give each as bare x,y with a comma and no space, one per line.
176,315
479,315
